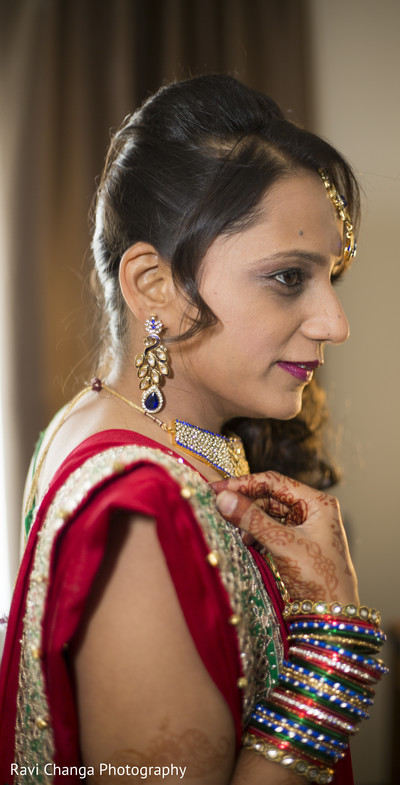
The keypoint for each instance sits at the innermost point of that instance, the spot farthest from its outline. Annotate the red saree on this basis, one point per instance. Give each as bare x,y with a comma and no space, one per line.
111,471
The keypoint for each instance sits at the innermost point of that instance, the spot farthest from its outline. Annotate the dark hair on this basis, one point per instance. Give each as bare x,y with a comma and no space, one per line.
194,163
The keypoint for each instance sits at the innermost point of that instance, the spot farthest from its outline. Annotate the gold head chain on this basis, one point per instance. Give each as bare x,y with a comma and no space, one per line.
339,202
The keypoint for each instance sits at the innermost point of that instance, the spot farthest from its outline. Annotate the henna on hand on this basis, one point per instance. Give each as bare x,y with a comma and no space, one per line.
340,546
278,502
290,573
321,564
300,526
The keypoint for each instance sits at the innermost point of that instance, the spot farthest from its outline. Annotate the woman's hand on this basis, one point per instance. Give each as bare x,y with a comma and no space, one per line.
300,526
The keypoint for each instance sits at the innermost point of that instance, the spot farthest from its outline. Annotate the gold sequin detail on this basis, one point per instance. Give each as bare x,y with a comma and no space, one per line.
186,492
213,558
41,722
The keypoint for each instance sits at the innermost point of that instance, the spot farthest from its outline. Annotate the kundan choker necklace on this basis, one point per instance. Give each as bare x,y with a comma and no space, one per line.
225,453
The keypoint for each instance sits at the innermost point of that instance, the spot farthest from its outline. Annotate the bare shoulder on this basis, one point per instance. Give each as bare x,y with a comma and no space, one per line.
144,694
74,423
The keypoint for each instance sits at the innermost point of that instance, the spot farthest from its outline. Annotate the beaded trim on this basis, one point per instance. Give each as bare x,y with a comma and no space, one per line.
253,615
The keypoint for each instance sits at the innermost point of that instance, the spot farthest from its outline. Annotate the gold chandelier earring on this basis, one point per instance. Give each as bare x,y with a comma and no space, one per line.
152,366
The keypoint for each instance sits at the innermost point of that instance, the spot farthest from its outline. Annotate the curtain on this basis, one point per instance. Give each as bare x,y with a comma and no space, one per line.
70,70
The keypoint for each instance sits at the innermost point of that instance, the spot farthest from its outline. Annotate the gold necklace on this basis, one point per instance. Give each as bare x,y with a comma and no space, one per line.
225,453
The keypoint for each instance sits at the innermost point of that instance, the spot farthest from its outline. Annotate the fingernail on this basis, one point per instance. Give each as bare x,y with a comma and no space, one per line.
226,502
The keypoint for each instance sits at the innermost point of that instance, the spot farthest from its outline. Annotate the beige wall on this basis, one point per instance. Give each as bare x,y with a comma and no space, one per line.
355,53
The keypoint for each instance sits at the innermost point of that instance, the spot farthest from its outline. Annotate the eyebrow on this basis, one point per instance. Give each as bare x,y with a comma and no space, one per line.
307,256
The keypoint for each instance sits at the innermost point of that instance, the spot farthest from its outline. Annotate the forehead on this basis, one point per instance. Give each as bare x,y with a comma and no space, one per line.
299,205
297,210
295,213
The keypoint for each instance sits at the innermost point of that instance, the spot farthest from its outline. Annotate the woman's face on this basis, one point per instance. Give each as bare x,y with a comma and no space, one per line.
271,290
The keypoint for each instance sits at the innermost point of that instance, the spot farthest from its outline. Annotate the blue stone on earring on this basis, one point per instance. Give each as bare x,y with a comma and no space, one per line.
152,400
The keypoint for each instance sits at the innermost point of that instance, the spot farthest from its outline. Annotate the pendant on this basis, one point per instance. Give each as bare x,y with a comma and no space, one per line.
152,399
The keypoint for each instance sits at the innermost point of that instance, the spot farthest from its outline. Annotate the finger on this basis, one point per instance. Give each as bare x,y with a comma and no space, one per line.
297,513
284,489
273,506
247,515
290,513
255,485
236,508
279,504
219,485
261,495
248,539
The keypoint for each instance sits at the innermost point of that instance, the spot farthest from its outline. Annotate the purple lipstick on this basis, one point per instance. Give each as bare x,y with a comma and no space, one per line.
302,371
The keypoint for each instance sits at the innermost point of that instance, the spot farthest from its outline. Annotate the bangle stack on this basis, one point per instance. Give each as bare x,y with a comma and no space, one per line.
324,689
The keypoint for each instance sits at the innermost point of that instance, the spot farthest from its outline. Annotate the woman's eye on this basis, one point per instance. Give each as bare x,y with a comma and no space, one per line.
290,277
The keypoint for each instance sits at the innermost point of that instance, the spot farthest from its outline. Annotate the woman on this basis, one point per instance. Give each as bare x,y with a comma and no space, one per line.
147,637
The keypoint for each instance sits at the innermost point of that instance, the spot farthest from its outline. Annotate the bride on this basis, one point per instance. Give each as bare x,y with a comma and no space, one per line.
186,605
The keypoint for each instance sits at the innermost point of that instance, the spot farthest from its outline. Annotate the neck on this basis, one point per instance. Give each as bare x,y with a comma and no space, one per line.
225,454
180,403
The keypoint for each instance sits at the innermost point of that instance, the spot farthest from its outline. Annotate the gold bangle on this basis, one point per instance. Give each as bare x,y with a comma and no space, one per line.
314,773
320,608
336,640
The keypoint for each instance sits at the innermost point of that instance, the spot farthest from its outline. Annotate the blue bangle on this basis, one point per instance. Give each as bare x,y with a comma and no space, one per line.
325,680
322,749
319,695
324,737
338,627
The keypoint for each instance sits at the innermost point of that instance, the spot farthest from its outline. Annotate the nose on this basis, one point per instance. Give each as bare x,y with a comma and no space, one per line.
326,320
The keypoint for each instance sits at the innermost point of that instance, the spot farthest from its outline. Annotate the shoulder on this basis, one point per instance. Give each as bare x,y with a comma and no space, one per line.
109,461
112,462
117,483
137,478
80,507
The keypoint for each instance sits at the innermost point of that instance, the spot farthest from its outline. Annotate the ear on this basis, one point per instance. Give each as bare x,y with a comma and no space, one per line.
146,282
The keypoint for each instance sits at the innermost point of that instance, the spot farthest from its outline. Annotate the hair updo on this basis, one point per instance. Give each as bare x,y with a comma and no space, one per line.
193,163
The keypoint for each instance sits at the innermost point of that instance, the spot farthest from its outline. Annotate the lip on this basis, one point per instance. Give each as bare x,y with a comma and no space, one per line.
302,370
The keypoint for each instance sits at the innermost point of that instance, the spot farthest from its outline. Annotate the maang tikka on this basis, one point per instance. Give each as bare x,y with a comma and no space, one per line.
152,366
340,204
